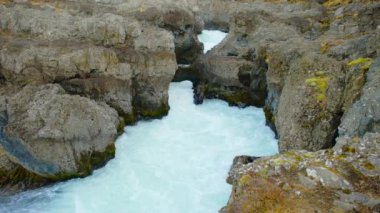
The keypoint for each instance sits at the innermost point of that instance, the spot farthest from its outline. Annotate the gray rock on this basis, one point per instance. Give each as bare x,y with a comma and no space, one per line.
328,178
56,135
308,110
307,181
344,206
364,115
238,162
106,29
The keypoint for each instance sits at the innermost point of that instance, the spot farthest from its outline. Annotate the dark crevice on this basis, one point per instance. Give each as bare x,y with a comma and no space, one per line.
232,54
2,78
336,123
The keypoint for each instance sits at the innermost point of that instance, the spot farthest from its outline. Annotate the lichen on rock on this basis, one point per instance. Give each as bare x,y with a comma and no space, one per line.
320,84
300,181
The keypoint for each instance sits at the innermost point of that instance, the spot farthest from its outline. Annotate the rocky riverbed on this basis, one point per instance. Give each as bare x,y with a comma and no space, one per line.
72,73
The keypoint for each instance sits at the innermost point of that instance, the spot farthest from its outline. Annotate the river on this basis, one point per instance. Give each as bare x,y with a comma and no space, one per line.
175,164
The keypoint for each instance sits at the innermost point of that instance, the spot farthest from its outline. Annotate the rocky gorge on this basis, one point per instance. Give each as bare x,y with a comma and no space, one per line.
73,73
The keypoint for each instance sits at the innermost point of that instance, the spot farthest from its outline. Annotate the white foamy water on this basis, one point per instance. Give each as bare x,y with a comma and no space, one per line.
176,164
211,37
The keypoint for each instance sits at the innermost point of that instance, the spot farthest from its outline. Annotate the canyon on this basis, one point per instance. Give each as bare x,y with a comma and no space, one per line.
74,73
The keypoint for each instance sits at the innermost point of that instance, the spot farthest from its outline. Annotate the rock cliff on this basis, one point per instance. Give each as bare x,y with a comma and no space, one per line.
313,66
73,73
298,70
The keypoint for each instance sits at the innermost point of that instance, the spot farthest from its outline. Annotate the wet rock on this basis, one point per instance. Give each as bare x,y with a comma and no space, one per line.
186,72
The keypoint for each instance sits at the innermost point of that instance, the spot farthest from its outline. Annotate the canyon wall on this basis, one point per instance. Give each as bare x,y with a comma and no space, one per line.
73,73
314,67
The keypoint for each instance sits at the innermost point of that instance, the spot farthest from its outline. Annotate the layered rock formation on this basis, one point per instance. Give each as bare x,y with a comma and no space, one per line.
313,65
298,70
73,73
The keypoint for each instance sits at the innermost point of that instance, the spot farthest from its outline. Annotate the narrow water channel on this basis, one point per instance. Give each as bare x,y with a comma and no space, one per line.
176,164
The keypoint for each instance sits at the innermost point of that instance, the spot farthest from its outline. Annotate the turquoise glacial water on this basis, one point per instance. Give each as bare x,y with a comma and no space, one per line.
176,164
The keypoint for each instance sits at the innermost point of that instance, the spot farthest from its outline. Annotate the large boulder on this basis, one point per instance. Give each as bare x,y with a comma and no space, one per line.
309,107
55,136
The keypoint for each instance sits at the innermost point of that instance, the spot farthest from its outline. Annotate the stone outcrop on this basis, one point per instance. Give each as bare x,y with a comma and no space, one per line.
364,115
343,179
178,18
314,66
70,54
298,70
48,135
73,73
51,133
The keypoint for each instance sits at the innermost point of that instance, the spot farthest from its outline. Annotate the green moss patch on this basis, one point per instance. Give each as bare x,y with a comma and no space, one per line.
88,162
369,166
320,84
153,113
21,175
364,63
347,148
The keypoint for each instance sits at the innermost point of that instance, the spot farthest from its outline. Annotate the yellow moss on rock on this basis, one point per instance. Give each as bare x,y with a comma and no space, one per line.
334,3
309,155
245,180
369,166
347,148
278,161
320,84
261,194
364,62
287,1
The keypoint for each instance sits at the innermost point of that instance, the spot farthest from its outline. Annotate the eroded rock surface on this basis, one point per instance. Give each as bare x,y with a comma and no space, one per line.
364,115
73,73
295,59
314,66
342,179
55,135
